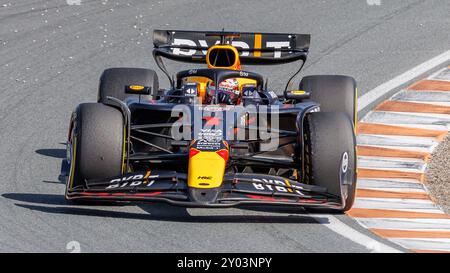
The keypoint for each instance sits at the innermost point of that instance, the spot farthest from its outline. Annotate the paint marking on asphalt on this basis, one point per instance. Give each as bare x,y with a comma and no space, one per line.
420,144
391,163
391,185
373,173
404,106
412,205
389,152
353,235
431,85
383,129
407,120
384,213
436,244
396,233
436,224
429,251
369,193
429,97
395,141
374,94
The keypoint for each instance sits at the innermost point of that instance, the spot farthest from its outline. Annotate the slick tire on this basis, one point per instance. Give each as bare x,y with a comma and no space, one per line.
330,154
334,93
97,144
114,80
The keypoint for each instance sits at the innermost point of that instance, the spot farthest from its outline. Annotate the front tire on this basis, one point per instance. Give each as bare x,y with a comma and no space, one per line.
96,144
330,154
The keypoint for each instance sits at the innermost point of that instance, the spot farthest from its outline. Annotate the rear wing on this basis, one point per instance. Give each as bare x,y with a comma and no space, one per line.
254,48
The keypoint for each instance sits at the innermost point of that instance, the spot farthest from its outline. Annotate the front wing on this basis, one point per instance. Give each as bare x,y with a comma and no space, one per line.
237,189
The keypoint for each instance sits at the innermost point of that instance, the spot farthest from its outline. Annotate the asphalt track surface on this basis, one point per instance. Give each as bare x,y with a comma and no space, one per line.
51,56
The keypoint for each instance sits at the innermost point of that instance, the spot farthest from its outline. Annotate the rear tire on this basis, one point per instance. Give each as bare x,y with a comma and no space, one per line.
329,139
96,144
114,80
334,93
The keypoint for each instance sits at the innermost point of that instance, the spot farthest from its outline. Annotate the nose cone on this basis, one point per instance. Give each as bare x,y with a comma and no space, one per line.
206,169
207,163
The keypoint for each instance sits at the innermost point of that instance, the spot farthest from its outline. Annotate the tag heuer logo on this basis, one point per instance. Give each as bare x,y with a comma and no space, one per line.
204,177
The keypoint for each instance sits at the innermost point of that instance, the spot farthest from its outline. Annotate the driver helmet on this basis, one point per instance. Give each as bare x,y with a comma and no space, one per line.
227,92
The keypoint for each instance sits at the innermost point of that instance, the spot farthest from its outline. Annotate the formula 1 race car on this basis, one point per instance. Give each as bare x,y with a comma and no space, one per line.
218,136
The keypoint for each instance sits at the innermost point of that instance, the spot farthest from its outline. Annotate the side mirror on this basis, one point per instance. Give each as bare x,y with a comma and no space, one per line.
296,95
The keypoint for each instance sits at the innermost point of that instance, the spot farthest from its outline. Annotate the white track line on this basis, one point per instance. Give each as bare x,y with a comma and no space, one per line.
390,185
439,244
392,163
353,235
406,224
416,120
429,97
371,96
411,143
413,205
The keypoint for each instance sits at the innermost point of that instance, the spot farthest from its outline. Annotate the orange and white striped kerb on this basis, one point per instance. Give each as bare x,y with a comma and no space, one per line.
395,142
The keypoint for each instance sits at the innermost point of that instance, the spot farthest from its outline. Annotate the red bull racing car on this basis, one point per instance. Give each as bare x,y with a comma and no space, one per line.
218,136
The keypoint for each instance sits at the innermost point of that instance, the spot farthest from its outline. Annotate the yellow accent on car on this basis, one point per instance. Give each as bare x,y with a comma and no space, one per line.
206,170
147,174
244,81
298,92
72,161
124,151
289,185
137,87
295,174
258,44
236,64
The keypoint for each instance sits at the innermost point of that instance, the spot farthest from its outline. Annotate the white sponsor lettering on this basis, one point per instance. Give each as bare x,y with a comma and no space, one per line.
238,44
135,183
264,184
258,186
179,51
243,74
282,189
242,45
344,165
116,183
203,43
277,45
